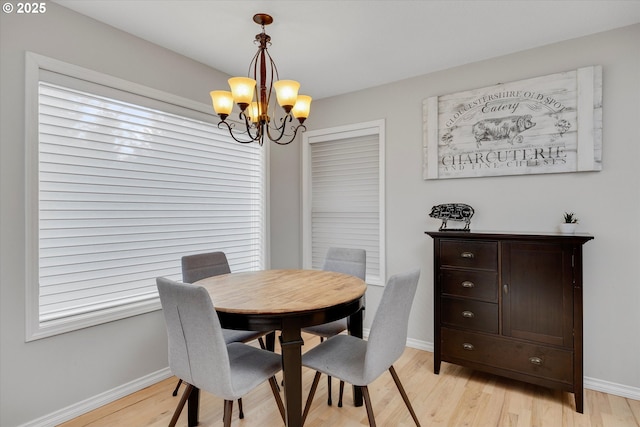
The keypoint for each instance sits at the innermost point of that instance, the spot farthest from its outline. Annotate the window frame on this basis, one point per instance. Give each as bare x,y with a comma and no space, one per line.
376,127
34,64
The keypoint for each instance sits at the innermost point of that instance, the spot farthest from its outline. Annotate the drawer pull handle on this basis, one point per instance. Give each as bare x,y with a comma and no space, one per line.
468,284
468,314
505,288
468,255
468,346
535,361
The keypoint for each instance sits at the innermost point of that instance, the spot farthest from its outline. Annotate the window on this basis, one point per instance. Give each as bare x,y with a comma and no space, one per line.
343,197
121,190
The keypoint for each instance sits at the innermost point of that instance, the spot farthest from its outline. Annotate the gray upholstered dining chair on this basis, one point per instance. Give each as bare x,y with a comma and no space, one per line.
340,260
200,356
360,362
200,266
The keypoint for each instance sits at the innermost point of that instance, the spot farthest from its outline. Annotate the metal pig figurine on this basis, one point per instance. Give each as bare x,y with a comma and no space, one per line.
455,212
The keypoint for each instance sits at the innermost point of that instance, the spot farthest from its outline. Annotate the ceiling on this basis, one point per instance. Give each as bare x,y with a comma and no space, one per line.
339,46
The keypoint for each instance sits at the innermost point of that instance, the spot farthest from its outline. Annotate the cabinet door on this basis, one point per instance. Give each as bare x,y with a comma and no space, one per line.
537,292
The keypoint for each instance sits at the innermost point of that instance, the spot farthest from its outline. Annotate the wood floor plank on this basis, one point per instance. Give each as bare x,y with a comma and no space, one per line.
634,405
457,397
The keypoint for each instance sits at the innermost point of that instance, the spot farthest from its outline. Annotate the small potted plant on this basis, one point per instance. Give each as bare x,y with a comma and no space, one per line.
569,224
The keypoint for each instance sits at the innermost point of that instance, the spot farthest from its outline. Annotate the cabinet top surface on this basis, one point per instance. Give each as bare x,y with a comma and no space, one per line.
499,235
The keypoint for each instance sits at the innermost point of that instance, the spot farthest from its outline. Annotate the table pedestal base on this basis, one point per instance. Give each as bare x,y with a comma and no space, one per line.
291,346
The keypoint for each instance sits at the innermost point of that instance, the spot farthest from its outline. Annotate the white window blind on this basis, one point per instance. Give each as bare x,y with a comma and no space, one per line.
125,191
346,197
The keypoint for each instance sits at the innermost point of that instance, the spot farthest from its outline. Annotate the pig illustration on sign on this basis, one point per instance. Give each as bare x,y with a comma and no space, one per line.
455,212
508,128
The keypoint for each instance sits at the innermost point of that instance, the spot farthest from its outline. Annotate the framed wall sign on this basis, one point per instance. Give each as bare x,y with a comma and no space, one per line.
547,124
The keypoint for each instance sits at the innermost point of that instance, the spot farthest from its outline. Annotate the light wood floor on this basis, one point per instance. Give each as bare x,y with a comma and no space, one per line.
456,397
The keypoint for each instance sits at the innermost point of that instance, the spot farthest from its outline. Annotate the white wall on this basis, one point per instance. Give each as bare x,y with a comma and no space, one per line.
40,377
607,202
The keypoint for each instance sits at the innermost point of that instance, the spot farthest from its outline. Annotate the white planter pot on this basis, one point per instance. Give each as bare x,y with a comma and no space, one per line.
568,228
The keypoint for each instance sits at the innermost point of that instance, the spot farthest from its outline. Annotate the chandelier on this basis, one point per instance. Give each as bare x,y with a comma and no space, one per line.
258,110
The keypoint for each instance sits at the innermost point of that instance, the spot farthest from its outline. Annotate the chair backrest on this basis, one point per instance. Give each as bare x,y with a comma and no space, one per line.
347,261
199,266
388,334
197,349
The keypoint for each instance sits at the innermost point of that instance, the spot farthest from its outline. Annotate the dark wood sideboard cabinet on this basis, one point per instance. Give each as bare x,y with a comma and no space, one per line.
511,305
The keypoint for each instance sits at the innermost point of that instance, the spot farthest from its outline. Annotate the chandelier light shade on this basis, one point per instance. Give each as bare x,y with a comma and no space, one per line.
259,116
302,107
222,102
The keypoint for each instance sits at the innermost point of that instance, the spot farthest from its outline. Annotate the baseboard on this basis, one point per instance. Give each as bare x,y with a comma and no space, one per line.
420,345
87,405
612,388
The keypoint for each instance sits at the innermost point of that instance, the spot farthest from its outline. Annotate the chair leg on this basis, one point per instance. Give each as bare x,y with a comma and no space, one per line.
367,403
312,393
183,400
329,402
270,341
228,409
276,395
396,379
261,342
175,392
240,411
341,393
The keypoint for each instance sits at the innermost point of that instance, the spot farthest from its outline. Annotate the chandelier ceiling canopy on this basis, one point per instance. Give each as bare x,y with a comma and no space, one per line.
257,108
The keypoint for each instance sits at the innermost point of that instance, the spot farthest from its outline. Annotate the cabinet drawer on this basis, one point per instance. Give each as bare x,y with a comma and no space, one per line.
540,361
469,314
481,285
470,254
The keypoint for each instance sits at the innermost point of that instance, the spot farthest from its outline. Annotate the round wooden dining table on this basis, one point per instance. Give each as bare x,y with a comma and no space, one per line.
286,301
